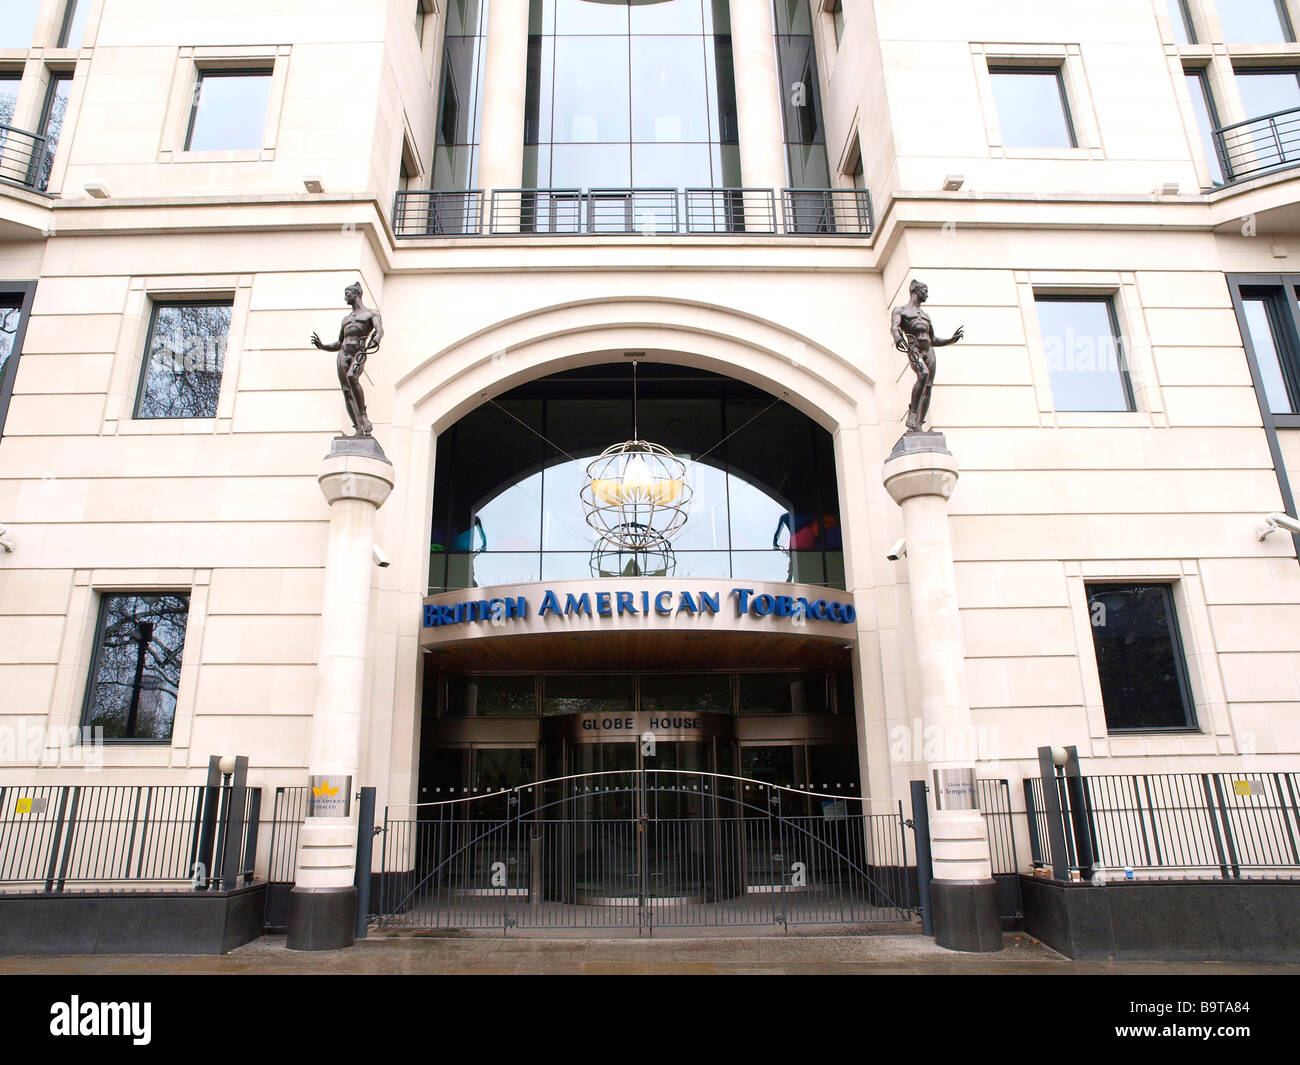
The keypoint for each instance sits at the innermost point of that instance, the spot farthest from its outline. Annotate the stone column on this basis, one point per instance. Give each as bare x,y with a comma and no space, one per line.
505,73
920,475
356,479
758,96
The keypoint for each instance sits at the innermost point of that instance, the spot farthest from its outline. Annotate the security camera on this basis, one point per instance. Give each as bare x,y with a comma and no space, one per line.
899,550
378,557
1277,521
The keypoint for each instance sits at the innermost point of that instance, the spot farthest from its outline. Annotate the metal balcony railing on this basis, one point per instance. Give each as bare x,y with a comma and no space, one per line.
1258,145
629,211
23,158
425,213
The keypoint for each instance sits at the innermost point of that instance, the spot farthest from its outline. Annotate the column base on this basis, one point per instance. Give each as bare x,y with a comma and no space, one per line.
966,915
322,918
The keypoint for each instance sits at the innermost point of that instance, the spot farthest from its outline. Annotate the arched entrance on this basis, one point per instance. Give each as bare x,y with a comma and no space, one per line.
629,722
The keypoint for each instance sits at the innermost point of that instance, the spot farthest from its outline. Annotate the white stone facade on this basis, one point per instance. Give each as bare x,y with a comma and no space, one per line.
228,508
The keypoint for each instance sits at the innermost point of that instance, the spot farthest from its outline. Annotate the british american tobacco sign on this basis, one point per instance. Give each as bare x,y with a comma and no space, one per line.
617,604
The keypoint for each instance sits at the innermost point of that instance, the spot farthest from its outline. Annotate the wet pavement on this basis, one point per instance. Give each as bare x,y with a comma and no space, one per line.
459,954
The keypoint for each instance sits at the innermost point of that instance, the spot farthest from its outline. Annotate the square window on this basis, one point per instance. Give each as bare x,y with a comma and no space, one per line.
1140,661
1031,107
1266,92
229,111
136,667
1085,358
183,361
1254,21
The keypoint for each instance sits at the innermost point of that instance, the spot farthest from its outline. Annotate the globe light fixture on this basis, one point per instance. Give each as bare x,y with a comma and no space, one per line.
613,560
636,495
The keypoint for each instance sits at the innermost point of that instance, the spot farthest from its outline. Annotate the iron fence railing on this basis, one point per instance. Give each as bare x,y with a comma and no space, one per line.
1258,145
23,158
1229,824
288,812
994,796
634,211
643,849
53,837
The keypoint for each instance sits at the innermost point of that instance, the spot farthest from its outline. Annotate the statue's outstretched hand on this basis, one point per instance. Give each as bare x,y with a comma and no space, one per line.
315,340
961,332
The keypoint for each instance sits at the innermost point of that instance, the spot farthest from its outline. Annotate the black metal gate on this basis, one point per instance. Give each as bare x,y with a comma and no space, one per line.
643,849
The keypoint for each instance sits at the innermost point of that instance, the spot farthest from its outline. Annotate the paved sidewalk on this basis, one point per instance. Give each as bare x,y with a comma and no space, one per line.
892,953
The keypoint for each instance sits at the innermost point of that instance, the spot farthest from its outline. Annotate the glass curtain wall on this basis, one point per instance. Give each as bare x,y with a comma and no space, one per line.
627,96
805,135
460,108
506,499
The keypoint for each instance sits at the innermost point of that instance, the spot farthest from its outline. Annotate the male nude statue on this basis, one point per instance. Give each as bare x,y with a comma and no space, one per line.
359,336
913,333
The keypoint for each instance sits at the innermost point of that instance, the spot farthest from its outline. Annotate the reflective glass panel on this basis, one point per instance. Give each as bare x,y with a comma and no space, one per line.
1269,92
499,696
18,24
1202,105
1263,325
229,111
1031,109
1084,358
56,106
74,29
184,361
1254,21
136,671
1139,657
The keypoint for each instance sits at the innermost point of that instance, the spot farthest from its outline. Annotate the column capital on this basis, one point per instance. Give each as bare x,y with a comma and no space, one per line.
917,472
348,474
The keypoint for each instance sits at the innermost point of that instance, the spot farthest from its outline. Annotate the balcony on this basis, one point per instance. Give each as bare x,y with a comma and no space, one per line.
1259,145
634,212
24,160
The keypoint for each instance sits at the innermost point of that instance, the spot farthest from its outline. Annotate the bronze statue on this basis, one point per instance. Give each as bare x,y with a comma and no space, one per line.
913,333
359,336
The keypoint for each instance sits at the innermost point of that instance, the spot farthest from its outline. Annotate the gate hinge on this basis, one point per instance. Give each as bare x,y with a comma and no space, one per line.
909,823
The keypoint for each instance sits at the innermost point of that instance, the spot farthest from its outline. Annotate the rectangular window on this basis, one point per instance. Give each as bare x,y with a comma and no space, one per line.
1032,110
1206,120
13,303
183,361
56,106
1254,21
1140,661
229,111
1085,358
136,666
18,26
1266,92
1267,322
74,24
1183,32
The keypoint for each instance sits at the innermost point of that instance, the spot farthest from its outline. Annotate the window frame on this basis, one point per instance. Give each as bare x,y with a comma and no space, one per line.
102,597
70,10
1126,375
1283,18
1178,645
228,72
26,293
1057,71
156,303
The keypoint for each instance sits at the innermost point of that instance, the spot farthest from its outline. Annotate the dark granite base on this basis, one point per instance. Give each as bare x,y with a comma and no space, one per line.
1210,920
966,915
366,447
321,918
913,441
149,922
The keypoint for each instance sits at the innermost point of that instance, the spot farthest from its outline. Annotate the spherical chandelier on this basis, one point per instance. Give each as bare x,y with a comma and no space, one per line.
613,560
636,495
